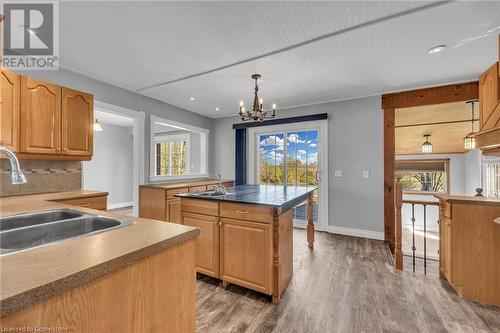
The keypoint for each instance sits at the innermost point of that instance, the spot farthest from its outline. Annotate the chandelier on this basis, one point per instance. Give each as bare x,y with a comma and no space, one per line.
470,140
257,113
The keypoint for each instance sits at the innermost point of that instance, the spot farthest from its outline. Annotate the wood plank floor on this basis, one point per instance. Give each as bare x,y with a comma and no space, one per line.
346,284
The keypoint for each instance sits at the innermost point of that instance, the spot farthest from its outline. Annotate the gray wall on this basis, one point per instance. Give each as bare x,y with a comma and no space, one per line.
355,135
107,93
111,166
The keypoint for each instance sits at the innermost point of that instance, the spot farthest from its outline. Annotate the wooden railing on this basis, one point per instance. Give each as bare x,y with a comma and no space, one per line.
398,253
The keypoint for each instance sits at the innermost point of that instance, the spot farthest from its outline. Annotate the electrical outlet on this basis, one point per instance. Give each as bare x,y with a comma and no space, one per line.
366,174
338,173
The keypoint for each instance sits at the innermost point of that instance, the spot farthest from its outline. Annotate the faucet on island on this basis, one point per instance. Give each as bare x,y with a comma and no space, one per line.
17,176
220,189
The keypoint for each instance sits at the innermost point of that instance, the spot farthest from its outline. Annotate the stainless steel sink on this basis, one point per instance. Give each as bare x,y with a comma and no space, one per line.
25,220
207,194
33,232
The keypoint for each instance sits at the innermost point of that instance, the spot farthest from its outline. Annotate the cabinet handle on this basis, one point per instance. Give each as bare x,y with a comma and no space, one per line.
242,211
85,205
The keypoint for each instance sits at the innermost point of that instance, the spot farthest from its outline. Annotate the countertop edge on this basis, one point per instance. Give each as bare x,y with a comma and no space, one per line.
187,183
25,299
467,200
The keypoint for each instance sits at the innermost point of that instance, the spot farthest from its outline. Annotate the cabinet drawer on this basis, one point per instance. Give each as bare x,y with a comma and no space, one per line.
207,207
254,213
228,184
171,193
445,209
198,189
99,202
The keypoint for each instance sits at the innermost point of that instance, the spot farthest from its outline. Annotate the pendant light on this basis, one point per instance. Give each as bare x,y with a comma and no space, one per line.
97,126
427,146
470,140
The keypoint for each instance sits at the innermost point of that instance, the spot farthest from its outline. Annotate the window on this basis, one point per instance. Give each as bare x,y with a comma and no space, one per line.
423,176
491,170
171,156
177,150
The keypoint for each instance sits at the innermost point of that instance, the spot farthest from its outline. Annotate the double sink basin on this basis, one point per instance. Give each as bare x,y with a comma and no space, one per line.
26,231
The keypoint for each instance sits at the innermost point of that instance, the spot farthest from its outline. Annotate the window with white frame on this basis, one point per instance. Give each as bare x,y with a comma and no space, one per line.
172,158
491,178
177,150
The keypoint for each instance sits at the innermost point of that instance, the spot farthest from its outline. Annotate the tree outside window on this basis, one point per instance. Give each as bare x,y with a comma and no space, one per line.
423,176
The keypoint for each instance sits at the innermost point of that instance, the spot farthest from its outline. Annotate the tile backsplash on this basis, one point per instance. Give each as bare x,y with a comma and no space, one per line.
42,176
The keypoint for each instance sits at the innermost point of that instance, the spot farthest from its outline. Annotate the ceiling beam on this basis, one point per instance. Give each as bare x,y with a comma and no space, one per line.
437,123
429,96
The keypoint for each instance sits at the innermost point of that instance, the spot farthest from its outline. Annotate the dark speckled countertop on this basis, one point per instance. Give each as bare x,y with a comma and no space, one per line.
285,197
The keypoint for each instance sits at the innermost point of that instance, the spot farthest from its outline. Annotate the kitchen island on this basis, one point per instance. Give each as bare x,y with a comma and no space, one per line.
247,235
112,281
469,246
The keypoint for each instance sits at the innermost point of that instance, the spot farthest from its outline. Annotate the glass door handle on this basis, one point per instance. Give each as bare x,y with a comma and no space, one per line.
318,176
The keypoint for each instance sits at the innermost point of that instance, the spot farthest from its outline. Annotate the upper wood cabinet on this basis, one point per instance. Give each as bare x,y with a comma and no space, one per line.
40,117
489,98
10,89
77,122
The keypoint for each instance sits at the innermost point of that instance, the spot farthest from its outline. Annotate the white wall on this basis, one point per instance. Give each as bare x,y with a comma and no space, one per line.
472,171
355,134
111,167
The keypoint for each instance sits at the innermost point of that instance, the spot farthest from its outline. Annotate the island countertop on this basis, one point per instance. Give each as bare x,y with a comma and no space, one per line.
284,197
32,275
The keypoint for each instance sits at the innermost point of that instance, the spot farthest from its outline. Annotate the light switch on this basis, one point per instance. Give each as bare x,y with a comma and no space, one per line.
338,173
366,174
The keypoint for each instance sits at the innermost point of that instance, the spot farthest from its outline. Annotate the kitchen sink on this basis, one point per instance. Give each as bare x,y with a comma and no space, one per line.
44,231
208,194
25,220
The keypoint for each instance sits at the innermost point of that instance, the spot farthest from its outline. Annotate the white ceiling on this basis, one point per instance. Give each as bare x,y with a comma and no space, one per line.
137,45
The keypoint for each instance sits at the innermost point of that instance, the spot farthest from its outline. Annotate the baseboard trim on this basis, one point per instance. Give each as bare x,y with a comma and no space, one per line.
346,231
355,232
120,205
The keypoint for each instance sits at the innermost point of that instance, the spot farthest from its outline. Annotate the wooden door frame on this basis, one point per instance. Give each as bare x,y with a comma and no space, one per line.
391,102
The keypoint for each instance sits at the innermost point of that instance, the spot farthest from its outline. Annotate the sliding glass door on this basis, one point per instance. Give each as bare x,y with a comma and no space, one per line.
289,157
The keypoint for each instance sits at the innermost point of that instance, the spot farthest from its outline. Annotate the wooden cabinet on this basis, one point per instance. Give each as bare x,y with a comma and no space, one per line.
445,248
207,243
98,202
246,254
173,212
160,203
198,188
40,120
489,95
10,89
40,117
469,247
77,122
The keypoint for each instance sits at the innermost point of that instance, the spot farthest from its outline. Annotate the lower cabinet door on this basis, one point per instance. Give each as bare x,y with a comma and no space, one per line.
246,254
207,243
448,249
173,210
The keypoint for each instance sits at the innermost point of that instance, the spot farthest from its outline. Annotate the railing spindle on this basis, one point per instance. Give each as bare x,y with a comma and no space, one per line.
425,240
413,233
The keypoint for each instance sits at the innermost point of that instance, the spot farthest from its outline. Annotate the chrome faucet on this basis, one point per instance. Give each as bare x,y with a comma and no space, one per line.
220,189
17,176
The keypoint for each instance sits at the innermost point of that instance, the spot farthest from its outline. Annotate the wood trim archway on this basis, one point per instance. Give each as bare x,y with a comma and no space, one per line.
391,102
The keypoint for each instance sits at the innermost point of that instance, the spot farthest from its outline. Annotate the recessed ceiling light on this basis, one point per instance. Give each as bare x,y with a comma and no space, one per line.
192,98
217,109
437,49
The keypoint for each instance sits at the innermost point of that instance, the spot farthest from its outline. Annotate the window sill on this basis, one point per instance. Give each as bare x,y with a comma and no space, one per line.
169,178
425,193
